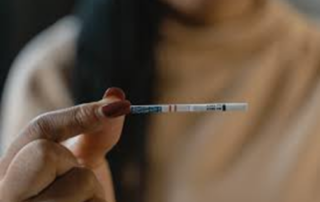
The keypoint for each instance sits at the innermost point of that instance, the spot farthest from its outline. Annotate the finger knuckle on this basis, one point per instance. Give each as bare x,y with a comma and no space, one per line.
83,115
42,125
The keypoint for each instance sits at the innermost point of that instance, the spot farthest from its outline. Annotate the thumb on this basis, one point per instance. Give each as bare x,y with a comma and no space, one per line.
91,148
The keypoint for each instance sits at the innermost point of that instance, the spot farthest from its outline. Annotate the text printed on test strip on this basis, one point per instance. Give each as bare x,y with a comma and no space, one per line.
147,109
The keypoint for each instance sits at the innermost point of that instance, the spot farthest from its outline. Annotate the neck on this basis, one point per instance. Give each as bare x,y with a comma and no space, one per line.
212,12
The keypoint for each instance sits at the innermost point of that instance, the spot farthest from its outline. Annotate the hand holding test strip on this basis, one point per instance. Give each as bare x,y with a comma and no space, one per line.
38,166
170,108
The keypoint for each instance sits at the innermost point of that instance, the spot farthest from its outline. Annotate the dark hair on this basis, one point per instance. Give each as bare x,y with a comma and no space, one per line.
115,48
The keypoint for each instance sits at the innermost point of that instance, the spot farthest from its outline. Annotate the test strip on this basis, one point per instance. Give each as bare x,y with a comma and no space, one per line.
171,108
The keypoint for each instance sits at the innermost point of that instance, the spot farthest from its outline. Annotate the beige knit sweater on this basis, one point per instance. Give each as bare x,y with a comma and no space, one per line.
269,154
38,80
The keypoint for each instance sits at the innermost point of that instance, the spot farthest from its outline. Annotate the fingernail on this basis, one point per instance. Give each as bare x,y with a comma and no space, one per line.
116,92
116,109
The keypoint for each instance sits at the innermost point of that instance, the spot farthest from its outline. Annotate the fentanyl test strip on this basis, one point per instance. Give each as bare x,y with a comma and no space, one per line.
170,108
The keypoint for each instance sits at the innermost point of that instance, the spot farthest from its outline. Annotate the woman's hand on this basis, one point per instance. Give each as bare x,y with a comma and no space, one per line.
37,167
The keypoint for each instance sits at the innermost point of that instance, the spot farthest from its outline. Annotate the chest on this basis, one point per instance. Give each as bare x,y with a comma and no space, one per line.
230,148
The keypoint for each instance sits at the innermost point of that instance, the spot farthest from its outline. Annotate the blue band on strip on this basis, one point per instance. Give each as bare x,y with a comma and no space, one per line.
145,110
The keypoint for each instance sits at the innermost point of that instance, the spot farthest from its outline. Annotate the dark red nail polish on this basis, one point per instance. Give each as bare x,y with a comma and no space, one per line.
116,92
116,109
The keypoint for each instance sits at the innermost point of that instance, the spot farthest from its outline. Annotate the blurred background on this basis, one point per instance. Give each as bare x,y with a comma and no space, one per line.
21,20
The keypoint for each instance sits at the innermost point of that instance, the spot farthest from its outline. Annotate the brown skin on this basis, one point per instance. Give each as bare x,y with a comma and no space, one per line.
37,167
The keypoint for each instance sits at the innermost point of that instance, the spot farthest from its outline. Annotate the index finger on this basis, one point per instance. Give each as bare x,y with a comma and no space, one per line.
61,125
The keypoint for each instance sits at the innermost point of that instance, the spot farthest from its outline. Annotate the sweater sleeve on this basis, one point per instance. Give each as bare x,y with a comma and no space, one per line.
39,80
